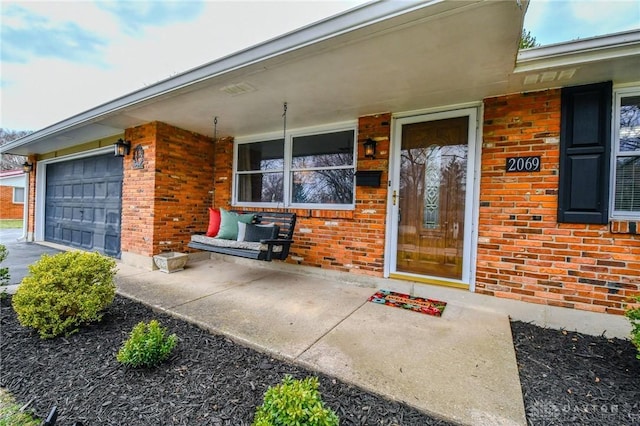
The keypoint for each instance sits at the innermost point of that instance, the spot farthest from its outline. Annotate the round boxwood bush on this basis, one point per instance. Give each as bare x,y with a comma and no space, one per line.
147,346
64,291
294,402
634,316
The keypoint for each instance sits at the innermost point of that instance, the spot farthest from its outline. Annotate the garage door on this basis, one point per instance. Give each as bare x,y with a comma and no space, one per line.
83,203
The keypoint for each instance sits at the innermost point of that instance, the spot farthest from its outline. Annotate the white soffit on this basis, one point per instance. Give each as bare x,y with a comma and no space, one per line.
613,57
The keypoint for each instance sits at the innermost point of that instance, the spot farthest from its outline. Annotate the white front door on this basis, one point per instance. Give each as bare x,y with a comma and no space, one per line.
431,197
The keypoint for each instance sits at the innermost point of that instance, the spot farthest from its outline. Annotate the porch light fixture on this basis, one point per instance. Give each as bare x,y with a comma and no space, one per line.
27,167
370,148
121,148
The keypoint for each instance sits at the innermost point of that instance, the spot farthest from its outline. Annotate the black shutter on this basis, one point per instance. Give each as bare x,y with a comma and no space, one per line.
585,152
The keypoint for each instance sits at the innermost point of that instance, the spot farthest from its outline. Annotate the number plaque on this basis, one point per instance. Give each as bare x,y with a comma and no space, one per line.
523,164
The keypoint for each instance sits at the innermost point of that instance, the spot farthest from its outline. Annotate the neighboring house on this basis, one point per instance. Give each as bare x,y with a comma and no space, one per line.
12,194
512,174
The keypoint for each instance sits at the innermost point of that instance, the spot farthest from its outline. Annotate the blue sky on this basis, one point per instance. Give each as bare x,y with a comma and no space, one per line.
554,21
60,58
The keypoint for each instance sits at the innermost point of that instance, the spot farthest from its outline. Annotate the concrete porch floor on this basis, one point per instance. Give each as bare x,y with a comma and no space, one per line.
460,367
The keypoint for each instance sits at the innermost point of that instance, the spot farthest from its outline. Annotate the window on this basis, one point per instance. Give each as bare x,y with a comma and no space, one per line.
626,162
260,172
18,195
305,170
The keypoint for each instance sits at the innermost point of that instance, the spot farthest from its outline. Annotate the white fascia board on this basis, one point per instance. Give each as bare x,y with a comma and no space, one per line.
353,19
578,52
16,181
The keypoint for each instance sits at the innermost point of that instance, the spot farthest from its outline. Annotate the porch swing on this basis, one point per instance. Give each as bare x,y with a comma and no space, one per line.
258,235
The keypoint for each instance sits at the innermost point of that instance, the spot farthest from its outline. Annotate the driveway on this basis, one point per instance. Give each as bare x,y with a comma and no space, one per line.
21,254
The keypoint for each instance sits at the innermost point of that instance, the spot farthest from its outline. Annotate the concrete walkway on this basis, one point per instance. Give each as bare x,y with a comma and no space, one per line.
461,366
21,255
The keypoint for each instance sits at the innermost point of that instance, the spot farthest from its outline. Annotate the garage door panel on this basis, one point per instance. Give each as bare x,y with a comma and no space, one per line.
87,239
113,219
88,190
77,168
83,203
98,215
49,232
77,190
87,215
76,237
112,244
100,190
114,189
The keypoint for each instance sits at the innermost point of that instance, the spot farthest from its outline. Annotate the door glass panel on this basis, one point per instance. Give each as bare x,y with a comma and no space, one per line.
432,188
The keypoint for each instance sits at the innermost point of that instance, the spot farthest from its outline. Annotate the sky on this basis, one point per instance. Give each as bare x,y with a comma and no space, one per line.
61,58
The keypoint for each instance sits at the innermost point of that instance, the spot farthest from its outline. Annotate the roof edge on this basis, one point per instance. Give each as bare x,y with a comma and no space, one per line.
574,52
333,26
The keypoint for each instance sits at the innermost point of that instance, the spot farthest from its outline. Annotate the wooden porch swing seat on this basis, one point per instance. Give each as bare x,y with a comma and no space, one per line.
266,250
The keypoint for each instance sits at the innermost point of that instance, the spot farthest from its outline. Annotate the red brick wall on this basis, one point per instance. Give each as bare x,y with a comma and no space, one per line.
350,240
166,201
523,253
9,209
138,193
223,172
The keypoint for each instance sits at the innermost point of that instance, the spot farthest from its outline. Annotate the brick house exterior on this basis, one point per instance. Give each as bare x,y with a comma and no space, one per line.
523,252
520,247
9,181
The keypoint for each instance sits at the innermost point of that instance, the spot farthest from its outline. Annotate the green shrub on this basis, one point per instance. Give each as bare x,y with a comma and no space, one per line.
64,291
4,272
634,317
294,402
147,346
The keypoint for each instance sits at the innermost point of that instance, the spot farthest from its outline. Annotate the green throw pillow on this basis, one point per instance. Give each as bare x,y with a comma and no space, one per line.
229,224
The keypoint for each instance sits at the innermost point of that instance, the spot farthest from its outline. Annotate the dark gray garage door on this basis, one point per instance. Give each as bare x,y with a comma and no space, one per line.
84,202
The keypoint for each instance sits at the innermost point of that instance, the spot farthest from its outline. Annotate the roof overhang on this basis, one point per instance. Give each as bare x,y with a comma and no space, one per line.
13,178
379,57
614,57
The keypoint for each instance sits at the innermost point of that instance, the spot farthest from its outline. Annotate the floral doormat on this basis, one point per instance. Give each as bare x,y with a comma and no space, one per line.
405,301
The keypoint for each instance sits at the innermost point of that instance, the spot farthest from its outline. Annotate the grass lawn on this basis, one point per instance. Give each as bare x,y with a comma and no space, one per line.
10,413
10,223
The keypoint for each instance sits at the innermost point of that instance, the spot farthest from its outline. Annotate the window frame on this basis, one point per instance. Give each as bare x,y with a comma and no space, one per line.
237,173
288,169
618,94
13,198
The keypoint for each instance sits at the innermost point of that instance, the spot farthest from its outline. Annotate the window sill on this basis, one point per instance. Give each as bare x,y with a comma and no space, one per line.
618,226
306,213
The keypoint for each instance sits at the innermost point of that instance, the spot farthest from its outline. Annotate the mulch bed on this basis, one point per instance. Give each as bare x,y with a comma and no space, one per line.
570,378
209,380
567,378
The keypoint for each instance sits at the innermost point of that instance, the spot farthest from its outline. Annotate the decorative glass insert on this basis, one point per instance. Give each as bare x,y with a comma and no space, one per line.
431,188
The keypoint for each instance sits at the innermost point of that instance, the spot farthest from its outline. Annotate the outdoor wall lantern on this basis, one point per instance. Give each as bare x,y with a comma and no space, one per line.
370,148
121,148
27,167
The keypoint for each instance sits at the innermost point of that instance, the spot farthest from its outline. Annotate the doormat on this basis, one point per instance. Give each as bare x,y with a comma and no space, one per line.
405,301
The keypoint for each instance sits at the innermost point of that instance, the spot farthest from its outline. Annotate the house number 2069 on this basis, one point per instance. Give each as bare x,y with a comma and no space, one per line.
523,164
